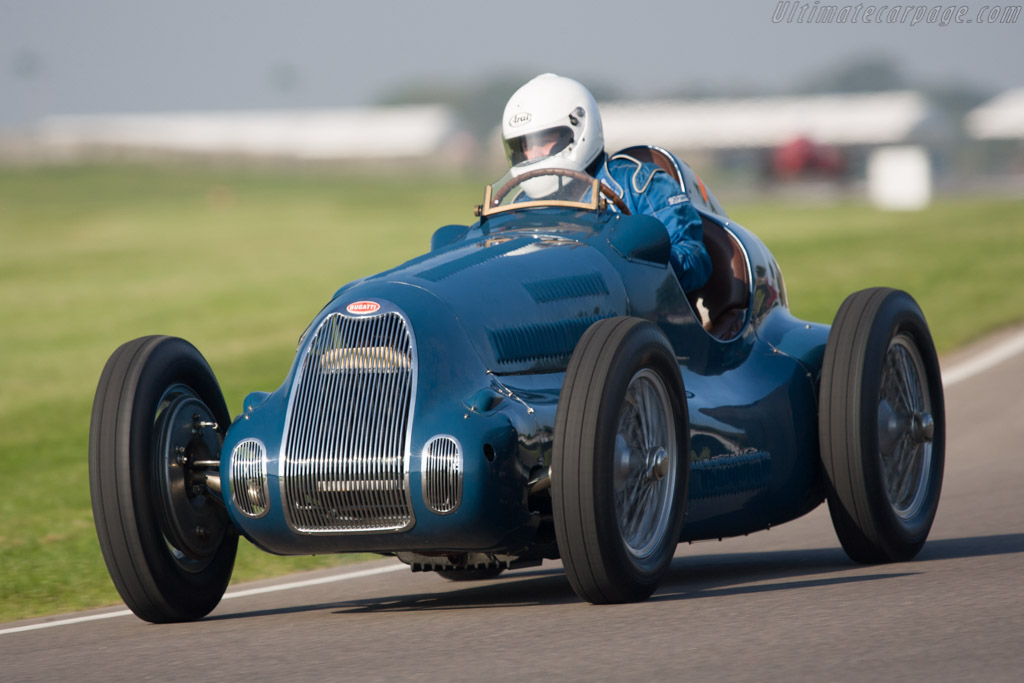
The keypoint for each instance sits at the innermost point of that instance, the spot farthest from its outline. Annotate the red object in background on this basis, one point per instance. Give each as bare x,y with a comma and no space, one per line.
801,157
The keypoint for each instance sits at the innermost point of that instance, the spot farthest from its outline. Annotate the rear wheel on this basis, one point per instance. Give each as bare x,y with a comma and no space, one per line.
882,426
621,461
158,422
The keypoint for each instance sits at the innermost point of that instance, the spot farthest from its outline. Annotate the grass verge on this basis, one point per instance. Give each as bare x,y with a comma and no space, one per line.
238,262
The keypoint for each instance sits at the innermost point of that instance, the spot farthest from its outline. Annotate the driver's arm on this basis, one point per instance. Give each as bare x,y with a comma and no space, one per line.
667,202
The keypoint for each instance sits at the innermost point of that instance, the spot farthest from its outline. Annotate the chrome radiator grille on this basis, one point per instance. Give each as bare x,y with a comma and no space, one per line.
345,467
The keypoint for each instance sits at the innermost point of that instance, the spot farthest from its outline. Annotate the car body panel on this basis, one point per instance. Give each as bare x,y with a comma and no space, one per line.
495,310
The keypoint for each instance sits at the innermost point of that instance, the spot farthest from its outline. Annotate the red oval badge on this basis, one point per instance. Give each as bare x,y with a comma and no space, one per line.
362,307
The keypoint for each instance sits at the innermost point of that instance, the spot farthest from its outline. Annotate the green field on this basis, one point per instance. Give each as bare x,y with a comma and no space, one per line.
238,262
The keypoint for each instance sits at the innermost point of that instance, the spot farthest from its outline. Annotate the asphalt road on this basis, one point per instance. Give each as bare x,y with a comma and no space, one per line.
782,604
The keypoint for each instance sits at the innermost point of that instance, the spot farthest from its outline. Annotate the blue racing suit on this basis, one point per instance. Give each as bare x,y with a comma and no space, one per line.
647,189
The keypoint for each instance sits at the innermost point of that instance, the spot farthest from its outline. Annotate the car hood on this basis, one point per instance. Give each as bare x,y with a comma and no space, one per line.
521,299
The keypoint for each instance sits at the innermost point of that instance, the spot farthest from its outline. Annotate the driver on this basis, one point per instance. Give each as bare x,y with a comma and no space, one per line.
553,122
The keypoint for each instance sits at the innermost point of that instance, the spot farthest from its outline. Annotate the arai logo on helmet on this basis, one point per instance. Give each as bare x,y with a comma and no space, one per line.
519,119
362,307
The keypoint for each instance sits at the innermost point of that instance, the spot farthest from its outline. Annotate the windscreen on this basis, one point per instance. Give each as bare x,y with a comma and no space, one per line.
542,187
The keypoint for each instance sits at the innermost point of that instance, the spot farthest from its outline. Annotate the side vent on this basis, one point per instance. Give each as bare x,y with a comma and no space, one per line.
249,488
540,342
442,474
570,287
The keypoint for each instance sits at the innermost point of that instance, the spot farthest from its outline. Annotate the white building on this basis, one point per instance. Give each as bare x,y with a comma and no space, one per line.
836,119
329,134
1000,118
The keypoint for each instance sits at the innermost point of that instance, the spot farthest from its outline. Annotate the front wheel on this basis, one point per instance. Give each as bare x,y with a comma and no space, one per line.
882,426
158,422
620,463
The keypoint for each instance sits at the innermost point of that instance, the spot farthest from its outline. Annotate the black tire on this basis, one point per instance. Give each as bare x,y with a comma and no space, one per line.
882,426
478,574
168,545
595,467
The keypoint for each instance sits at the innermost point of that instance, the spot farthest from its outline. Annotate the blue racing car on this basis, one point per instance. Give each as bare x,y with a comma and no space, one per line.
537,386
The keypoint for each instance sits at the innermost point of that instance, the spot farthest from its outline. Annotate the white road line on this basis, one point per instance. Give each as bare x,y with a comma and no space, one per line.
362,573
989,359
317,582
958,373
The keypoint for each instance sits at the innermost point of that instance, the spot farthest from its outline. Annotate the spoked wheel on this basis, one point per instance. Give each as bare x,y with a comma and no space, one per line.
882,426
158,422
621,461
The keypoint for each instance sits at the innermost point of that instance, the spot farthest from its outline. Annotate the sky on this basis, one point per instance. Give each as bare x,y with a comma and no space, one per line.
110,56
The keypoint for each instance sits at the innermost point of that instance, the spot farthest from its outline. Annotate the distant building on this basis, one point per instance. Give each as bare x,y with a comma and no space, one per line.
998,127
1000,118
762,123
343,134
831,138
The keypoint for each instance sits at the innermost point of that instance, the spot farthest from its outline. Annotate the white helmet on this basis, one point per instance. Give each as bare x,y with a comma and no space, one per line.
558,118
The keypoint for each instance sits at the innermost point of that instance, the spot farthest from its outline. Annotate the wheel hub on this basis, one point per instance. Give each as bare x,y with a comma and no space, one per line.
918,425
923,430
659,464
193,523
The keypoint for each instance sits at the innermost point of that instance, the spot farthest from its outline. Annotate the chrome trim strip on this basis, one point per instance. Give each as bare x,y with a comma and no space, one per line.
746,257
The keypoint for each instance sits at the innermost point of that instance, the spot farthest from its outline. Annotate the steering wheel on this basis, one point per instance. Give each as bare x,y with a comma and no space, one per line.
608,192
